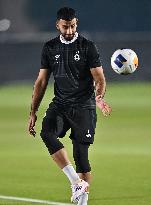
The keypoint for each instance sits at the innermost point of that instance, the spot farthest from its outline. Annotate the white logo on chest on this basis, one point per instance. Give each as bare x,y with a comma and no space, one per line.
57,57
77,56
88,135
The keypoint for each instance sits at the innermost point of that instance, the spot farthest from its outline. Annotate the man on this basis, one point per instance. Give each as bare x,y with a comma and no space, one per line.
75,64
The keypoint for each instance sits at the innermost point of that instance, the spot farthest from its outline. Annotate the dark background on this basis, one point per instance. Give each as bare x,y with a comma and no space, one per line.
111,24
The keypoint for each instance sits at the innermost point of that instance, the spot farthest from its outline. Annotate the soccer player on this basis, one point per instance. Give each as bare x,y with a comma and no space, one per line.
75,64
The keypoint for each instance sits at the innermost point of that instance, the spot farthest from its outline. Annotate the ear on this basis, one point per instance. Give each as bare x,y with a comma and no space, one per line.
57,26
77,20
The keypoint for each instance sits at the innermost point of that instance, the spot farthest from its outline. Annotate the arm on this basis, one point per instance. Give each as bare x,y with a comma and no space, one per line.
99,79
38,93
100,86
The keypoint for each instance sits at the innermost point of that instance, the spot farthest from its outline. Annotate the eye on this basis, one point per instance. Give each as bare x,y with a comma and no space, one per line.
72,26
65,27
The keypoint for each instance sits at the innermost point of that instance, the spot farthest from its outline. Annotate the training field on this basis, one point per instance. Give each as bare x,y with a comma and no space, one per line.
120,157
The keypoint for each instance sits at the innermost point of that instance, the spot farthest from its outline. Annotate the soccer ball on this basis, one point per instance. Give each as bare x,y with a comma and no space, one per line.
124,61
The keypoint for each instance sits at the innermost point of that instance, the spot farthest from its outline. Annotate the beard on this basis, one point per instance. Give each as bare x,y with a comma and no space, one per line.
68,37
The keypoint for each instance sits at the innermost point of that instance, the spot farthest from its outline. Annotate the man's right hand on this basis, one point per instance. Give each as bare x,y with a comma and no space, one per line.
31,124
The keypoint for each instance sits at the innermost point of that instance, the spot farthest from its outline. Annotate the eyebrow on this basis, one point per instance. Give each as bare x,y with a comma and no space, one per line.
68,25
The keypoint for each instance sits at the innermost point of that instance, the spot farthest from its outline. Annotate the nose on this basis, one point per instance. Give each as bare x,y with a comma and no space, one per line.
69,31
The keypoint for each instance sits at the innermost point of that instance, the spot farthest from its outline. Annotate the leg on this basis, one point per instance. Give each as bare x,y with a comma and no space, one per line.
55,125
86,176
61,158
57,150
82,135
80,154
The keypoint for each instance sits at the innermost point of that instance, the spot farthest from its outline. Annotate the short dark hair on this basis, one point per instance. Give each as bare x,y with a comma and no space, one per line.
66,14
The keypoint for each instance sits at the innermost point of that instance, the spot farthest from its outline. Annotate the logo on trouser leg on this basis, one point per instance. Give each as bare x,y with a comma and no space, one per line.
88,135
78,188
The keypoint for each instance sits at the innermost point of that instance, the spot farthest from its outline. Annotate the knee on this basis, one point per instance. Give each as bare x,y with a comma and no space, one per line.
49,137
52,142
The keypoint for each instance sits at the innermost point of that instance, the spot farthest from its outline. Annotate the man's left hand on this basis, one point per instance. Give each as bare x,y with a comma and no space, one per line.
103,106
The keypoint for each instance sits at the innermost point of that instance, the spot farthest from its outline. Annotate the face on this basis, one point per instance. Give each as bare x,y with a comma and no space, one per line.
67,28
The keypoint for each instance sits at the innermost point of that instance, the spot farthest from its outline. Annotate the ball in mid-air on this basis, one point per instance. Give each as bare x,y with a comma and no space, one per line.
124,61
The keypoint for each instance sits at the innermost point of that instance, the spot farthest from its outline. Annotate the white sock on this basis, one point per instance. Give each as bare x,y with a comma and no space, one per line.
71,173
83,199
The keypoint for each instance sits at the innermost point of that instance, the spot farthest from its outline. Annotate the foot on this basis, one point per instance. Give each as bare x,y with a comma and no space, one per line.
78,189
83,199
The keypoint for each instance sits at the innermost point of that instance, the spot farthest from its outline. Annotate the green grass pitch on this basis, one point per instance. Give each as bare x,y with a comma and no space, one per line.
120,157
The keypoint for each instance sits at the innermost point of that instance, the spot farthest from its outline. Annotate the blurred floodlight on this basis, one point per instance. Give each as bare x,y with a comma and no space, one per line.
4,24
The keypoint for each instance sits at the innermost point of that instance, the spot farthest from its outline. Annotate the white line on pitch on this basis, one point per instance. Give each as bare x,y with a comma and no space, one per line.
32,200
